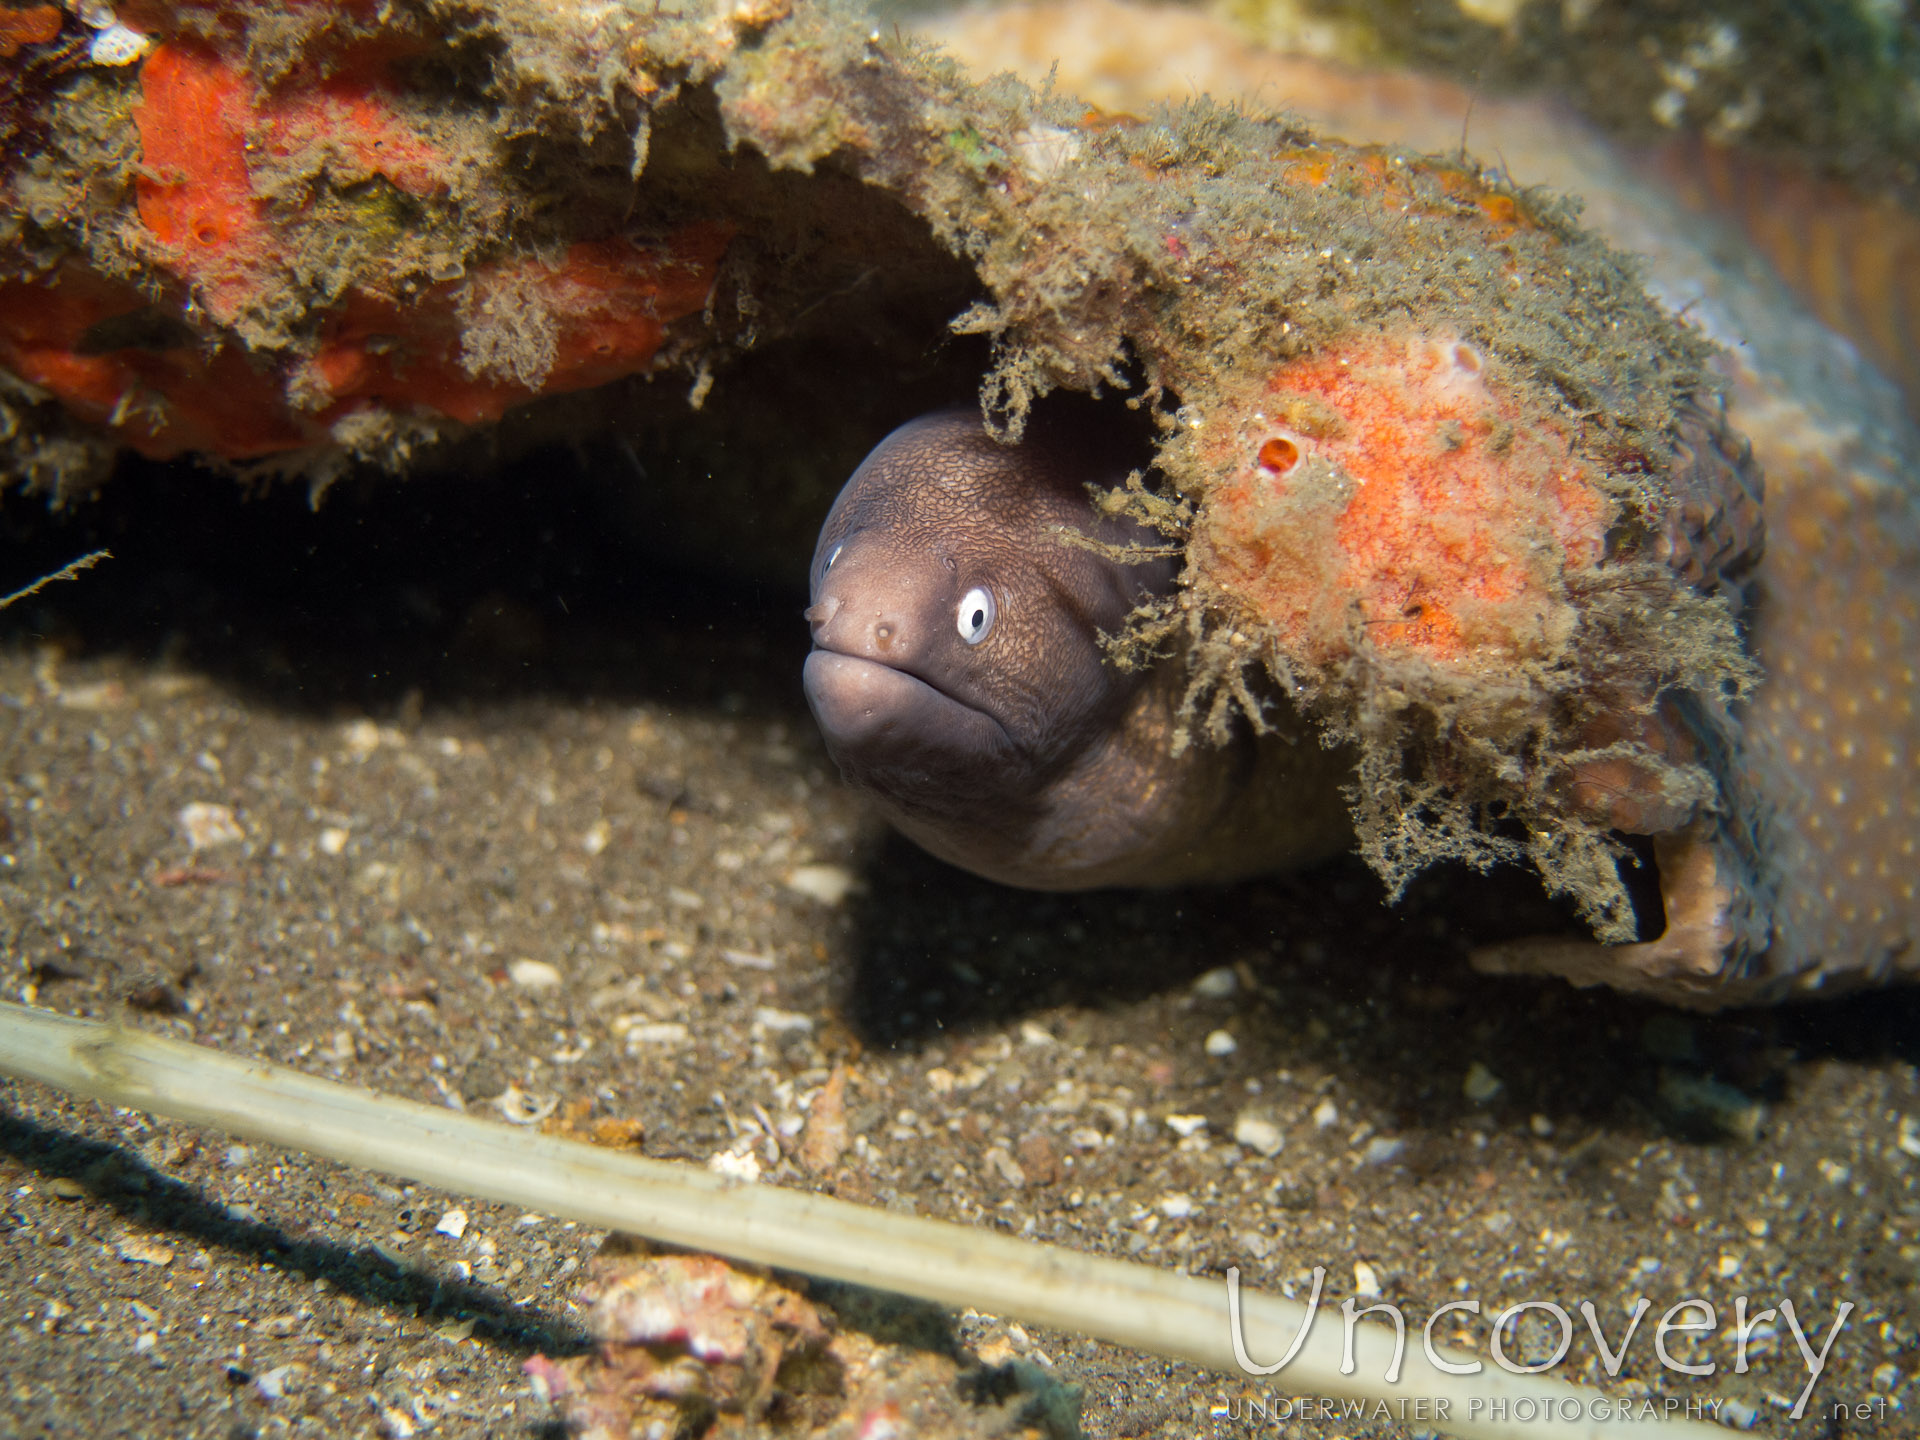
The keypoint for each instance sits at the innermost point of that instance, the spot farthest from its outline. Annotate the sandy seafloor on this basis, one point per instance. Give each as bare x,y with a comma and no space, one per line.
466,724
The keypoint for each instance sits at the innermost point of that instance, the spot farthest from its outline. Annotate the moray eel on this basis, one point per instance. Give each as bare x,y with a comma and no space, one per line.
958,677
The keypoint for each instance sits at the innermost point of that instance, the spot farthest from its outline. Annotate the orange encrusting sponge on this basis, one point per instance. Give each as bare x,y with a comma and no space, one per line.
121,359
32,26
160,401
195,194
608,303
1393,483
201,123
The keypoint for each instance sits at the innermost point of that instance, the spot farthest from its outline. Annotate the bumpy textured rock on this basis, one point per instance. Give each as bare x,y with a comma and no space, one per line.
691,1345
1453,489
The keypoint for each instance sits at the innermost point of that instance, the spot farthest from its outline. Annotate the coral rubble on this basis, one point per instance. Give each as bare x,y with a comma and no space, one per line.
689,1344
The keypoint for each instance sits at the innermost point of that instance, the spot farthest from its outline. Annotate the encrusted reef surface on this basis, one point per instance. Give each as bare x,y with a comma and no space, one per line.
1836,85
1449,483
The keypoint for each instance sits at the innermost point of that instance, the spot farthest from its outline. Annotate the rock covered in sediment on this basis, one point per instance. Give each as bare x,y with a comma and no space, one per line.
684,1343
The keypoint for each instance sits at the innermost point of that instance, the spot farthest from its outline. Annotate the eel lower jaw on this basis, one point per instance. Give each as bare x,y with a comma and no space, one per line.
874,716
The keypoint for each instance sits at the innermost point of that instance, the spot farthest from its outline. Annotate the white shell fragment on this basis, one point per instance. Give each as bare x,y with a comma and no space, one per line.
1258,1134
206,825
117,45
533,975
829,884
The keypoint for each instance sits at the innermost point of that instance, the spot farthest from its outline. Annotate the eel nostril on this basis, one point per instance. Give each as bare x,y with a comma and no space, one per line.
821,613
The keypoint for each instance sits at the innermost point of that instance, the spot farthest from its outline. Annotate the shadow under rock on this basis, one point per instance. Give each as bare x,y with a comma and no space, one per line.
437,589
939,949
1329,977
118,1178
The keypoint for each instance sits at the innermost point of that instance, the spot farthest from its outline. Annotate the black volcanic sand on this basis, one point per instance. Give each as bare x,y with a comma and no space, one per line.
460,725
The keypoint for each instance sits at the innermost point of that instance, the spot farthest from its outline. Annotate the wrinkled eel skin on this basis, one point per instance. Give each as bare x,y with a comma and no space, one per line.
958,678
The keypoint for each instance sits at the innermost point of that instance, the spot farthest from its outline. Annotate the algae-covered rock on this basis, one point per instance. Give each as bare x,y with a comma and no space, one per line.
1836,84
1451,487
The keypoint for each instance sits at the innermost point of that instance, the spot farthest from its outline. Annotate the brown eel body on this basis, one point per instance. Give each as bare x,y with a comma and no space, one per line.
958,677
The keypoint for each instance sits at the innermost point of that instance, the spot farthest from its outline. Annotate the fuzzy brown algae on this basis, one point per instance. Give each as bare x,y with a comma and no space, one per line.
1452,489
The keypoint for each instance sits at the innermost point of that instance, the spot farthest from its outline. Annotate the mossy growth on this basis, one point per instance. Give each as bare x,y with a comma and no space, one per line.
1834,85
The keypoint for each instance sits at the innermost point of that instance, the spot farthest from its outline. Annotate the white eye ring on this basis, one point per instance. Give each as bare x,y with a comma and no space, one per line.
974,618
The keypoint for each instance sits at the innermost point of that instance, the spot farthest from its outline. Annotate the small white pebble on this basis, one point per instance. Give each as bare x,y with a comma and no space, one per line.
1481,1084
829,884
657,1032
745,1168
333,840
453,1223
520,1108
1729,1266
1382,1151
1258,1134
143,1252
1366,1280
1220,1043
1175,1206
1035,1034
117,45
237,1155
748,959
533,975
596,838
206,825
1186,1126
1326,1115
1219,983
999,1164
1909,1137
1887,1378
361,737
1541,1126
766,1017
273,1384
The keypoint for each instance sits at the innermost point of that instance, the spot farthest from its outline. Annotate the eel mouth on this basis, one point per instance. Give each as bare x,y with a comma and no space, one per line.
872,713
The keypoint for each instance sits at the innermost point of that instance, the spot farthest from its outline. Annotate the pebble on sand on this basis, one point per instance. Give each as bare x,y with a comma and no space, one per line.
533,975
206,825
1258,1134
829,884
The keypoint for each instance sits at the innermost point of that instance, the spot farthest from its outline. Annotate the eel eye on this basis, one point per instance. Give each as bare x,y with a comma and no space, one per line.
974,619
832,555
